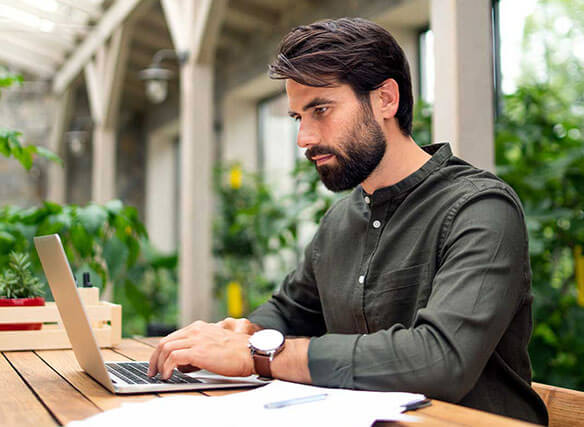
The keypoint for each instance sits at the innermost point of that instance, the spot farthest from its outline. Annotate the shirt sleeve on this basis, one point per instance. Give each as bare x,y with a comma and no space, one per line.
481,281
295,308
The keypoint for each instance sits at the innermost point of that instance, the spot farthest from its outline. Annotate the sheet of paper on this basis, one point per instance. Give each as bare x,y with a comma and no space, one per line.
339,408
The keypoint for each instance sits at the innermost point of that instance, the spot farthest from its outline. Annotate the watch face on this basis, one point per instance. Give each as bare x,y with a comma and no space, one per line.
266,339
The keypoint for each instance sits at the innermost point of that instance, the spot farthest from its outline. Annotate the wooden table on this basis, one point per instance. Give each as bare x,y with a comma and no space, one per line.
47,388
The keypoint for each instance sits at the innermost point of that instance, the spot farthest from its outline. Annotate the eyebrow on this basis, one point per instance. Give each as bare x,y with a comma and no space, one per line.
315,102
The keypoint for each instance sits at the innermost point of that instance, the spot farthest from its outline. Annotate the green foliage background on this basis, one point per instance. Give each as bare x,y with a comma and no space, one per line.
540,152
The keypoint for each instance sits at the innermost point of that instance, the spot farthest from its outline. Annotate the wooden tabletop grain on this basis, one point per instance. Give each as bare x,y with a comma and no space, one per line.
48,388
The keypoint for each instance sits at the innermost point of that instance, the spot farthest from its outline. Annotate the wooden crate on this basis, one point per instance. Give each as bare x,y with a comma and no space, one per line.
105,319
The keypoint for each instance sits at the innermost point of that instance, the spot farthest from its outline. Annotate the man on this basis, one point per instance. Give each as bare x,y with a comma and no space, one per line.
418,280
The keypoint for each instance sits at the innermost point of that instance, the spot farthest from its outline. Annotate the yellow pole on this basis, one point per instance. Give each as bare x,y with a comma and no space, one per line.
234,299
579,273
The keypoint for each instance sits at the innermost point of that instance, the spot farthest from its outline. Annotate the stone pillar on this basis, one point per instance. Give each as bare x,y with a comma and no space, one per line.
464,89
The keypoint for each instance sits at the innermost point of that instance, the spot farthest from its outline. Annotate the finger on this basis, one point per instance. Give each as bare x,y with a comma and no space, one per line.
176,335
153,365
242,326
187,368
175,358
167,349
227,323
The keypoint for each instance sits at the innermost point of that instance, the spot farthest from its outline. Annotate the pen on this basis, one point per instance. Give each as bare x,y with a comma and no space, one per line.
296,401
412,406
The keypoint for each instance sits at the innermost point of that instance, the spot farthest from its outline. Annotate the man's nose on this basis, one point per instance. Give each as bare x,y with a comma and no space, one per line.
306,137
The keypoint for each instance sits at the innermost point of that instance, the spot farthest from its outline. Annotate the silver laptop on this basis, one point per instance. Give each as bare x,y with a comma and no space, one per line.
118,377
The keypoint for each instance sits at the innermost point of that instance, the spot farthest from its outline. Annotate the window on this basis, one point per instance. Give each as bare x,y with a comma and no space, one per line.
277,144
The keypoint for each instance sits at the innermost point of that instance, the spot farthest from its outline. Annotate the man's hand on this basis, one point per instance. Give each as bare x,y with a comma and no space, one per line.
243,326
213,347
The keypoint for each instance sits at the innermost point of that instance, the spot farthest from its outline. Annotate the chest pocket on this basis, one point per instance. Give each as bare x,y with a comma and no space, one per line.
395,296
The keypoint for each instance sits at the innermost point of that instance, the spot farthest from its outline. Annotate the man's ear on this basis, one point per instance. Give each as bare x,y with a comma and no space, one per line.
388,94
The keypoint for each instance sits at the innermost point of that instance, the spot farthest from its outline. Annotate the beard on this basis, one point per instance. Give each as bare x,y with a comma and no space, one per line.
363,148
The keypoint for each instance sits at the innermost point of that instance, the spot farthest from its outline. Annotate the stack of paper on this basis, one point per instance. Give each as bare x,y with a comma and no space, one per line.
339,407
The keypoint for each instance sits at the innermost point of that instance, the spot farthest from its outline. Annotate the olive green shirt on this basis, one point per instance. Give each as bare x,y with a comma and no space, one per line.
423,286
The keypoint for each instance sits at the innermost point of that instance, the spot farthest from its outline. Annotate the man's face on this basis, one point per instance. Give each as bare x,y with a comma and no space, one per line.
339,133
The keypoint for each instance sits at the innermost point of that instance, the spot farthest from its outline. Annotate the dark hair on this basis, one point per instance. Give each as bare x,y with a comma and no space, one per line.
350,51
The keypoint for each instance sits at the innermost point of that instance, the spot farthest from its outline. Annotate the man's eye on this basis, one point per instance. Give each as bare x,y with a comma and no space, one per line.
320,110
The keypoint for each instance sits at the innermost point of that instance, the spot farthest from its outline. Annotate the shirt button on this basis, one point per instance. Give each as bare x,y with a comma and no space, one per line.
367,199
361,279
376,224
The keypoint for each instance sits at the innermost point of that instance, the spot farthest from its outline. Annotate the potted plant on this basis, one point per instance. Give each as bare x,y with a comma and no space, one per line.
19,287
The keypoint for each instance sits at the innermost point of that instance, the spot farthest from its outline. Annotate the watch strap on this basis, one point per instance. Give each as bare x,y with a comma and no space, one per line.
262,365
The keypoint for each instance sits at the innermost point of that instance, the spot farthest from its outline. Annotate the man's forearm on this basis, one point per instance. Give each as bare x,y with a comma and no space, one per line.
292,363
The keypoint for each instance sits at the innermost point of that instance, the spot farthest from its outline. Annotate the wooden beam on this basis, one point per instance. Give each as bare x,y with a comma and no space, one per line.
65,40
94,92
112,19
26,64
206,31
90,9
196,138
115,68
194,26
29,9
54,55
175,12
105,77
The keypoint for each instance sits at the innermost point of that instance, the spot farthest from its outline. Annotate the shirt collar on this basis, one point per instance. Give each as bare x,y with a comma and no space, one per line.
439,152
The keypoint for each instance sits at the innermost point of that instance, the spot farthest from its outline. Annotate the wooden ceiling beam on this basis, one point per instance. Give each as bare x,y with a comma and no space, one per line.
29,9
55,56
15,29
93,11
112,19
24,63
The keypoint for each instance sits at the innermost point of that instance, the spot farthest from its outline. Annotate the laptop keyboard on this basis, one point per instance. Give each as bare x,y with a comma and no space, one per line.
136,373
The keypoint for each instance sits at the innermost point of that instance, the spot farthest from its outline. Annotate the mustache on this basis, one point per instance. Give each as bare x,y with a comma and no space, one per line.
319,150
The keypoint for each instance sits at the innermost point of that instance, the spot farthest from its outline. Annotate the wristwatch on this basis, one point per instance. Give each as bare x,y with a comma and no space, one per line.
264,345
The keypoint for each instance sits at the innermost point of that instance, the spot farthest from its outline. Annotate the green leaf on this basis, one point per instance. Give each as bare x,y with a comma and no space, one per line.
115,254
10,79
114,207
82,241
49,155
139,300
92,218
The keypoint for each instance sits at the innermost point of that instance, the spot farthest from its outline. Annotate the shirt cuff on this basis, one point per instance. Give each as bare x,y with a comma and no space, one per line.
330,360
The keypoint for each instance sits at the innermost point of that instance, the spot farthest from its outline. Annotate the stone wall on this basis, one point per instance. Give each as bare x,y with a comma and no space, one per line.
27,108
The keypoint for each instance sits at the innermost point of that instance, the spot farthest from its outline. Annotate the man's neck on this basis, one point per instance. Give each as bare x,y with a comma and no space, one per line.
402,158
